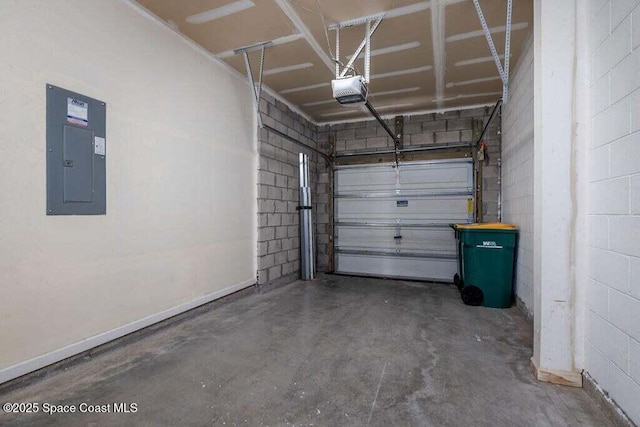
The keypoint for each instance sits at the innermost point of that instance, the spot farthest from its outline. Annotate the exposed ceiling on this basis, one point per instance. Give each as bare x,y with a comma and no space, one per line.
426,55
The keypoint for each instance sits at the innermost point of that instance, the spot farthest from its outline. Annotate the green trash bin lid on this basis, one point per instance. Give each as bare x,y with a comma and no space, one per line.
486,226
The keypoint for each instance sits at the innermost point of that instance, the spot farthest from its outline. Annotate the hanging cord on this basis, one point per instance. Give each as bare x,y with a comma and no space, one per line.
484,130
324,26
322,15
324,19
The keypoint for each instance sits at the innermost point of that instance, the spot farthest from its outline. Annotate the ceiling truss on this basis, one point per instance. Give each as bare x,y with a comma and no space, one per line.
434,46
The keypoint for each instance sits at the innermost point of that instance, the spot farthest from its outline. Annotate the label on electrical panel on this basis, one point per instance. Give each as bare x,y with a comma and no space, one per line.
77,112
100,145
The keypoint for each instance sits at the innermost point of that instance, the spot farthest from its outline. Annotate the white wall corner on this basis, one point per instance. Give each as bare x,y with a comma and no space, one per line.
156,19
582,142
561,139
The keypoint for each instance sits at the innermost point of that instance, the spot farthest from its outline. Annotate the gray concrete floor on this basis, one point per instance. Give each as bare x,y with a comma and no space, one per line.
335,351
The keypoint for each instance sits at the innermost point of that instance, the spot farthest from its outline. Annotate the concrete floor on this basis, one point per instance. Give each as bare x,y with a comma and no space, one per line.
335,351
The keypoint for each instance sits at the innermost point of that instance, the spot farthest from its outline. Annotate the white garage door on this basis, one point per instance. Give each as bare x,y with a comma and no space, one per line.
395,223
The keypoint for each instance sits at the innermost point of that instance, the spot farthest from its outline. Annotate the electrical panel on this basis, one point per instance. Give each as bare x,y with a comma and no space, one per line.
76,154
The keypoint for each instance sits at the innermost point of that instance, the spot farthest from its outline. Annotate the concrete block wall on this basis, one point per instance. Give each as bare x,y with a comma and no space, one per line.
451,127
278,183
322,192
517,169
613,317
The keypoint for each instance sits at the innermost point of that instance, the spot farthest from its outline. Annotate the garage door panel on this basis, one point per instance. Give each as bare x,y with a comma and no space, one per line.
356,180
411,178
395,223
427,240
436,176
415,210
400,267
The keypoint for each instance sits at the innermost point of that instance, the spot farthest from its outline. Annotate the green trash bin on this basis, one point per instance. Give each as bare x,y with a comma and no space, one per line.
487,253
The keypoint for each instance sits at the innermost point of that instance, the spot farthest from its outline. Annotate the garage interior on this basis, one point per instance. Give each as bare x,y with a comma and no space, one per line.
195,270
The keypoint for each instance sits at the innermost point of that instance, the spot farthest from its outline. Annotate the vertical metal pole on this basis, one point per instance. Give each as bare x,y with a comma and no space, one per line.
507,51
331,229
367,53
307,262
337,52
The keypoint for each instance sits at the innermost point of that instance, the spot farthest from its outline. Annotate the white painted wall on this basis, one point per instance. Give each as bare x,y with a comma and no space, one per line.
561,135
181,179
517,168
613,334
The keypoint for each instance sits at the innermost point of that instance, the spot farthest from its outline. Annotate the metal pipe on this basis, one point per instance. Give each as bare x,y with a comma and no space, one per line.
295,141
499,190
307,262
500,177
495,108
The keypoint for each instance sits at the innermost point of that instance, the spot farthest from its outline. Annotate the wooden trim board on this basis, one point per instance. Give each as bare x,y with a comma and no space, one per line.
571,379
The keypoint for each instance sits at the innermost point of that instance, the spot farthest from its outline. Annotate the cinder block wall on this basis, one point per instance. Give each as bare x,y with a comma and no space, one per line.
517,169
278,184
452,127
278,230
321,208
613,332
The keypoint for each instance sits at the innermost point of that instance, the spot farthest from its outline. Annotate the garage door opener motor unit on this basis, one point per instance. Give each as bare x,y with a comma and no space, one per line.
352,90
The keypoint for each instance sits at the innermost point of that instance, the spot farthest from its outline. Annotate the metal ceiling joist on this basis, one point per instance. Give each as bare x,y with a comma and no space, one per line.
439,53
503,71
257,89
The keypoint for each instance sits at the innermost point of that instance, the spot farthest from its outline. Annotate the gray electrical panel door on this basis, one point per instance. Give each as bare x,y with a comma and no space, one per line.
76,154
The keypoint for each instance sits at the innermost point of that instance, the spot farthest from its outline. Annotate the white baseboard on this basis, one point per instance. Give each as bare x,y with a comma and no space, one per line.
47,359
